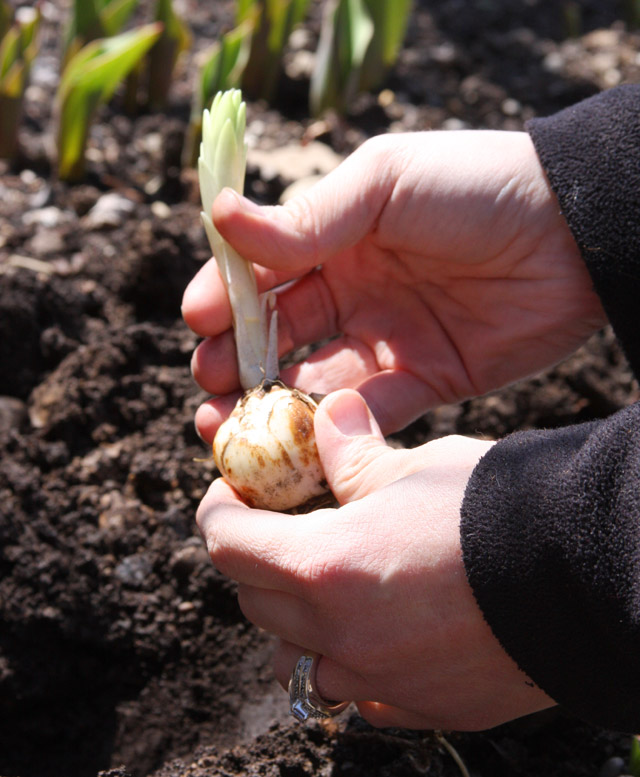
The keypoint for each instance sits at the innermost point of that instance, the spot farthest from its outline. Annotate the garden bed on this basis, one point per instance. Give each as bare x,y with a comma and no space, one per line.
122,649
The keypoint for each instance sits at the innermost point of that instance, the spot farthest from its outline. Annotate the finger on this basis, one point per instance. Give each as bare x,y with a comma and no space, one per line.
313,227
214,364
336,683
286,615
344,362
307,311
211,414
341,363
333,681
355,457
257,547
305,315
205,303
397,398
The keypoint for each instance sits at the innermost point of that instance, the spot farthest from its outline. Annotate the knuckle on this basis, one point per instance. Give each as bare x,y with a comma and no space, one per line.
365,470
301,213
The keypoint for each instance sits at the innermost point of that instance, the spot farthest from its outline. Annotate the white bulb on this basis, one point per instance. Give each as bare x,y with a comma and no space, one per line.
266,449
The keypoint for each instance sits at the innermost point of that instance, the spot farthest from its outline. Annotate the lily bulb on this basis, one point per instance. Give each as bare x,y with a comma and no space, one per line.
266,449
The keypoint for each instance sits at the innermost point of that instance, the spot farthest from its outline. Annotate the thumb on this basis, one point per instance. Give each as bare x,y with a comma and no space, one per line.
355,457
309,229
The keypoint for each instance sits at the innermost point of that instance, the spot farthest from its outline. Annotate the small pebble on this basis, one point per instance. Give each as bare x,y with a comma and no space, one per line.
13,412
185,560
111,210
133,570
47,217
160,209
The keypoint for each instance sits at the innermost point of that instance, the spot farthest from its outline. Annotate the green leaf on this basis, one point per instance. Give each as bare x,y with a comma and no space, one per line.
115,14
10,50
163,57
30,29
244,9
18,48
86,21
222,68
390,19
347,29
6,17
90,79
274,21
94,19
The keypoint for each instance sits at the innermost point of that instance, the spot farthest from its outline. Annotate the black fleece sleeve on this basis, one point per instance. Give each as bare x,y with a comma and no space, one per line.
591,155
550,524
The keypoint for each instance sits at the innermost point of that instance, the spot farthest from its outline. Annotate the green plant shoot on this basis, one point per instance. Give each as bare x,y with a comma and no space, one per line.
93,19
273,21
89,80
222,163
18,48
164,54
221,69
390,19
6,17
347,30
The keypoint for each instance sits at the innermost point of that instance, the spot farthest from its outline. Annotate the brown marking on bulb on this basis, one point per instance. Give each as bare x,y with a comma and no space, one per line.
250,495
220,461
301,424
284,455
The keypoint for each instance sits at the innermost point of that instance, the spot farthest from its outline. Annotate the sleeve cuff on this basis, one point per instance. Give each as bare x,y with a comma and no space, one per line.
591,155
551,546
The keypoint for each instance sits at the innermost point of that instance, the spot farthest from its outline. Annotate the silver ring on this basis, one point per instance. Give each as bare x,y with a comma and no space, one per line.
304,700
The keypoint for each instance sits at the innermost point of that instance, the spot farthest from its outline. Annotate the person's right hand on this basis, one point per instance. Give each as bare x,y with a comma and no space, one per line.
440,259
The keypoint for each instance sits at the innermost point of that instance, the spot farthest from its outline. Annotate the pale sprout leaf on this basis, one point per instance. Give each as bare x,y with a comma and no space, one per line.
222,163
226,151
208,186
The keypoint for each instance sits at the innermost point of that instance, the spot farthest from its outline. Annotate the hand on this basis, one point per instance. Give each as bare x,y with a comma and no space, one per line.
440,259
377,587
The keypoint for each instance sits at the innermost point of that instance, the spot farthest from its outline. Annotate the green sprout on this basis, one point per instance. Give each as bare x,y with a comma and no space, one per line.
347,30
89,80
359,43
18,47
164,54
390,20
221,69
273,22
6,17
93,19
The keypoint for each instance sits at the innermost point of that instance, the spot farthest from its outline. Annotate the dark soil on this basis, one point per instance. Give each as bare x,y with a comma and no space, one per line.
122,650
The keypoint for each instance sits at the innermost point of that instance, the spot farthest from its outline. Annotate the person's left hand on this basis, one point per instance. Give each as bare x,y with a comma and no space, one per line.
377,586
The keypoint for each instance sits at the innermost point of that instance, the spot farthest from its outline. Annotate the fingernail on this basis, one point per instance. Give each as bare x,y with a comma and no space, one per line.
350,414
195,426
245,203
